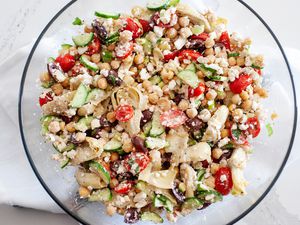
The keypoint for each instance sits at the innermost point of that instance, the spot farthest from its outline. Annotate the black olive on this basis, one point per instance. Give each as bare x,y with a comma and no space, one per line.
147,116
73,139
196,44
125,176
100,30
205,205
139,144
54,68
178,98
194,124
104,122
131,216
113,78
114,166
178,194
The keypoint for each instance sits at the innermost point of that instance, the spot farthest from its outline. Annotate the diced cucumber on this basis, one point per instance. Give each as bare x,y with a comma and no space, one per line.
156,143
147,46
191,67
45,121
141,185
107,15
107,56
94,94
100,170
147,127
80,96
83,40
113,145
102,195
69,147
198,29
211,104
200,174
66,46
173,3
64,163
191,204
256,67
77,21
156,5
47,84
161,84
189,77
84,124
155,80
207,70
203,193
88,64
192,142
113,38
151,216
157,129
163,201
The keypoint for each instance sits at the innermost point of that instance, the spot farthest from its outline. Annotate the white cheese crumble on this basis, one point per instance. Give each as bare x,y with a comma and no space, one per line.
205,115
233,73
159,31
125,36
185,32
172,85
223,142
144,74
180,42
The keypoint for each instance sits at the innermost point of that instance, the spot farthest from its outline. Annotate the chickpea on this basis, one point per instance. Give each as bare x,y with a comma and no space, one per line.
214,168
141,66
232,61
115,64
209,51
66,83
111,47
102,83
177,26
139,59
128,80
57,89
134,70
104,66
184,21
62,125
147,85
192,113
210,181
183,105
127,147
217,153
70,127
88,29
153,98
209,43
114,156
82,111
244,95
261,92
96,58
167,75
240,61
164,104
80,137
84,192
224,133
45,77
171,33
247,105
200,74
113,183
236,99
237,113
232,107
54,127
111,117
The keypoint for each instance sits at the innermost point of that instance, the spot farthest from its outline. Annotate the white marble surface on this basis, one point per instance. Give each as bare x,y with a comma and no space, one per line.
22,21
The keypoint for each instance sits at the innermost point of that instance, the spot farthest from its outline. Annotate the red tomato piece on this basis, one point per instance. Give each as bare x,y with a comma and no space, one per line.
124,113
134,27
223,181
76,70
254,127
66,62
124,50
45,98
258,71
146,25
225,40
197,91
136,162
170,56
189,54
173,118
202,36
156,20
124,187
241,83
238,136
94,47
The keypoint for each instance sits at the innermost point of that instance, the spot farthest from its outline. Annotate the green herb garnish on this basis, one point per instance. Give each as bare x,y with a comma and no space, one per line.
77,21
256,67
269,129
236,133
234,54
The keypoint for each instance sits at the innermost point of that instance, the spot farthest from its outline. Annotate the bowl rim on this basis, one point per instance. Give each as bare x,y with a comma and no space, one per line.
82,221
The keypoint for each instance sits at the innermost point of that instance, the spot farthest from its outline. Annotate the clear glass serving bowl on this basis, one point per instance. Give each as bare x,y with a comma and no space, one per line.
270,153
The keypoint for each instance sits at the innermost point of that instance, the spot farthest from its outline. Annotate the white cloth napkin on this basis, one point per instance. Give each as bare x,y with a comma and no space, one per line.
18,184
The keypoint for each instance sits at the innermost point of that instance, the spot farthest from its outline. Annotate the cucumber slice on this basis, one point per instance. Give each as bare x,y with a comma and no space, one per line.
156,143
151,216
84,124
147,127
100,170
157,129
45,121
107,15
69,147
198,29
211,104
94,94
83,40
107,56
47,84
207,70
200,174
191,67
189,77
88,64
80,96
113,145
102,195
156,5
155,80
163,201
173,3
66,46
64,163
191,204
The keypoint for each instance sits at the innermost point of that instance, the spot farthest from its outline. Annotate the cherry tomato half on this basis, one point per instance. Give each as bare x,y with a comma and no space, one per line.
134,27
197,91
202,36
66,62
223,180
146,25
241,83
124,50
173,118
171,56
258,71
239,137
94,47
156,20
124,187
254,127
189,54
124,113
76,70
45,98
225,40
136,162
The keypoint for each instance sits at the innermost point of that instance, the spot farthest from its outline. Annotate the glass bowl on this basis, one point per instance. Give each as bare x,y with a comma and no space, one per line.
270,153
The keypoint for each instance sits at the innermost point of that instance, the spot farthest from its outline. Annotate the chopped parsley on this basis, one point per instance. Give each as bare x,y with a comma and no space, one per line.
256,67
228,146
234,54
77,21
269,129
236,133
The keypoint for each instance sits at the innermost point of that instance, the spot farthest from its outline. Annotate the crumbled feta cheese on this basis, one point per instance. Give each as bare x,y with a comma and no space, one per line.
157,90
203,60
205,115
138,49
219,29
159,31
243,126
222,62
165,16
248,61
95,123
172,85
233,73
122,48
216,67
223,142
144,74
185,32
82,50
180,42
125,36
223,178
173,65
212,35
150,67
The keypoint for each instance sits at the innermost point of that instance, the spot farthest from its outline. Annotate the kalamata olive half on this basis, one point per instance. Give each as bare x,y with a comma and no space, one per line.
147,116
197,44
125,176
178,194
113,78
56,71
139,144
100,30
194,124
131,216
178,98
